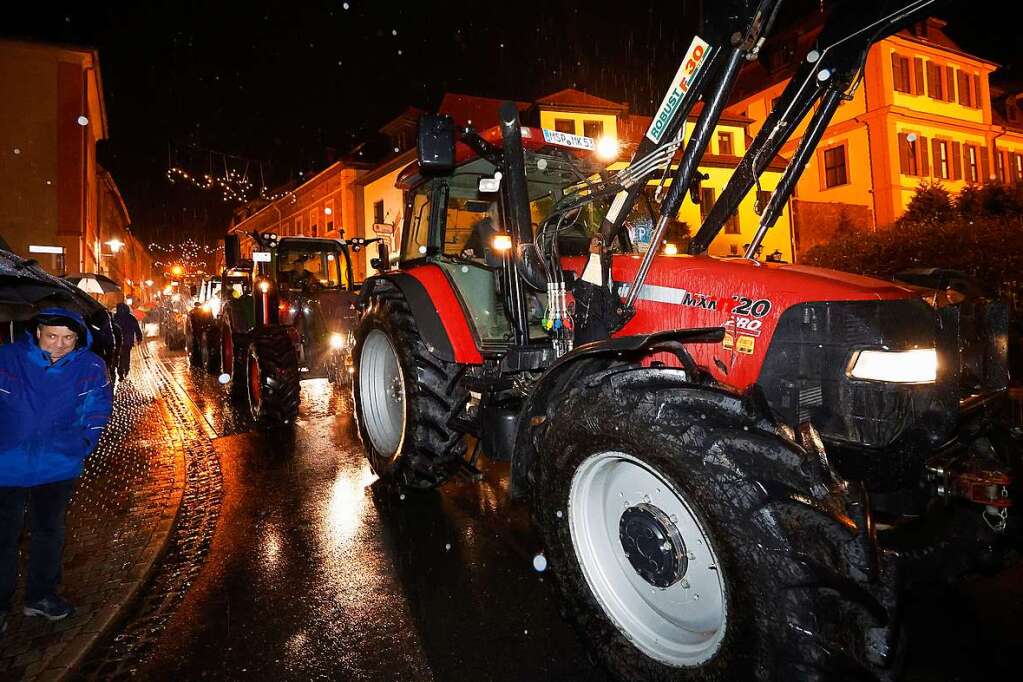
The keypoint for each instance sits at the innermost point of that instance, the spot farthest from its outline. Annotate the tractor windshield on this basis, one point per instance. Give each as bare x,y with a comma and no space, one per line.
301,266
451,216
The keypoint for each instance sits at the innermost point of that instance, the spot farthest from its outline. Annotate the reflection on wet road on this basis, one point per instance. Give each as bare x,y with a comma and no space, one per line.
317,571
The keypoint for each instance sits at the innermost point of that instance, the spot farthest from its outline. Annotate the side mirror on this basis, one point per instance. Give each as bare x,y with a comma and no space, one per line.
382,262
232,251
435,147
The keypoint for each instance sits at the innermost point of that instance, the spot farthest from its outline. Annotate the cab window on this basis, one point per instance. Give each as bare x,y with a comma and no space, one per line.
298,268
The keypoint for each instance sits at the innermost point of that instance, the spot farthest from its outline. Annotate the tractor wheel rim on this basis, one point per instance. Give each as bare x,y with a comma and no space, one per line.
669,601
382,393
255,385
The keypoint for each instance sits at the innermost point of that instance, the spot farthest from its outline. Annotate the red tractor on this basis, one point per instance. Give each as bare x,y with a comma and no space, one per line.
736,466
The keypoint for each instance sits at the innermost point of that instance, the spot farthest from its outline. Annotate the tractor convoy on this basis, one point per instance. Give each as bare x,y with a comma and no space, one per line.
283,315
737,467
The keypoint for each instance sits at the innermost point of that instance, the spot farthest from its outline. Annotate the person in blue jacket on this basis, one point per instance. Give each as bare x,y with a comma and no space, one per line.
55,400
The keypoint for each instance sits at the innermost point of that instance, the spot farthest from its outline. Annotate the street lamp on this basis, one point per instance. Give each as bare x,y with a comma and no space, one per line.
177,270
115,245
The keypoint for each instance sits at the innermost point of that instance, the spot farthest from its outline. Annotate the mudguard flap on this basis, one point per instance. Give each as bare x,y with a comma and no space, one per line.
438,313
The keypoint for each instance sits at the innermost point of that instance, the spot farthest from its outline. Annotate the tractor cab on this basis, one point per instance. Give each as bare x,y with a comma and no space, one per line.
458,220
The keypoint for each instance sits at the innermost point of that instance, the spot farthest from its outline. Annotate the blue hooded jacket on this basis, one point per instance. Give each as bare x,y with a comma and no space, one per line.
51,415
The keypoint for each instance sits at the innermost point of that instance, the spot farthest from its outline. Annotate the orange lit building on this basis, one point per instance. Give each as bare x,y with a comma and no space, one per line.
923,112
49,129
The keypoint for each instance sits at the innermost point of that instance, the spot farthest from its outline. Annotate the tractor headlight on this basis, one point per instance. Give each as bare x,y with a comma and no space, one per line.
918,366
337,341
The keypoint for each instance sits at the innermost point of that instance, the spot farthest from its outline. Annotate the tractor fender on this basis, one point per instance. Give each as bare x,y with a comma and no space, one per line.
436,309
582,361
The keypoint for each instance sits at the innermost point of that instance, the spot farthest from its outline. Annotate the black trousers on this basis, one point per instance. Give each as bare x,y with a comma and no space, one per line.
124,361
48,505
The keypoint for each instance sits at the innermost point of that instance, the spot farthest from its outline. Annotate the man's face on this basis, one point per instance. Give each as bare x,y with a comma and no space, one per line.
57,341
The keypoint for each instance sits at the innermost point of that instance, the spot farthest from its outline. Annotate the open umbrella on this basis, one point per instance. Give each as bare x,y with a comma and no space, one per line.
25,288
94,283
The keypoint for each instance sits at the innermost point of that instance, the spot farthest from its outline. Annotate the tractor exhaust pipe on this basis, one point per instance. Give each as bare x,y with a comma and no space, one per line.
525,255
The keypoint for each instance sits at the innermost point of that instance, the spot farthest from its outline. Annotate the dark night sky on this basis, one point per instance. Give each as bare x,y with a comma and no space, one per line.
281,81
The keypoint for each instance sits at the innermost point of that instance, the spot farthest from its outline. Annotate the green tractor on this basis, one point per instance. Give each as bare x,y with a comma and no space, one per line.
290,317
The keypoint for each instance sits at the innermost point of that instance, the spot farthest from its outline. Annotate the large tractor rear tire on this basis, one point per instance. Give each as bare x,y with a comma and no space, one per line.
405,397
272,379
690,542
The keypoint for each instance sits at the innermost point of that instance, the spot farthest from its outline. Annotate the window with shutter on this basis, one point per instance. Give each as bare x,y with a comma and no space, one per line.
900,73
964,88
921,155
977,103
941,160
934,84
957,161
1000,165
985,164
918,76
950,84
907,161
972,171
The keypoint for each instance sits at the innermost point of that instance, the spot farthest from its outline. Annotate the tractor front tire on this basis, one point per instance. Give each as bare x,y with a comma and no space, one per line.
272,380
405,397
689,543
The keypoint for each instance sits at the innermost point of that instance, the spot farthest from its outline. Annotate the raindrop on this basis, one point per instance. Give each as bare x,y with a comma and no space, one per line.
345,5
224,378
399,53
558,514
16,151
394,31
402,496
83,120
447,547
540,562
911,137
396,150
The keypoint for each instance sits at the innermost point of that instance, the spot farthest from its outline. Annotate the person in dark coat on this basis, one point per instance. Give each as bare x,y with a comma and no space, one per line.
55,401
131,332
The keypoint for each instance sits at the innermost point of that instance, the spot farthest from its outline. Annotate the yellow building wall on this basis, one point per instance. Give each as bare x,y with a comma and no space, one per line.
857,190
383,189
869,126
610,121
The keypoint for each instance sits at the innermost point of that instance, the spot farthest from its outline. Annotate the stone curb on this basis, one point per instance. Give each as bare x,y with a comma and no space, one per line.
64,664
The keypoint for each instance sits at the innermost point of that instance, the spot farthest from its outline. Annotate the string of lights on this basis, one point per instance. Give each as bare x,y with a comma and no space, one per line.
226,173
189,254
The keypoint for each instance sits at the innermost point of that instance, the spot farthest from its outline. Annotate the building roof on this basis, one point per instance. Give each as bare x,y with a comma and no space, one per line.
570,98
479,112
782,54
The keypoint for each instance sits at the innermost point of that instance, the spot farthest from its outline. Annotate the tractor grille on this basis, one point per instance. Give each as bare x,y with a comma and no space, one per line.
868,423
